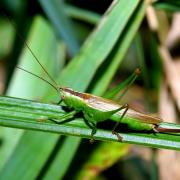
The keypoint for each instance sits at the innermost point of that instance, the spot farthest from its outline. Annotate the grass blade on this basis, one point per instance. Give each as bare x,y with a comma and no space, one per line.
119,50
99,43
70,143
102,158
25,86
64,28
81,14
27,114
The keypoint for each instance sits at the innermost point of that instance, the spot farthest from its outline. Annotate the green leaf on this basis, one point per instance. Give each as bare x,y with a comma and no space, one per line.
36,153
59,166
19,113
44,49
168,5
82,15
6,33
119,50
102,158
23,85
99,44
64,28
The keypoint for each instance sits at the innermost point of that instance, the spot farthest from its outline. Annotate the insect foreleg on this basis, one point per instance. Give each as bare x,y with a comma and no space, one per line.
125,107
64,118
59,102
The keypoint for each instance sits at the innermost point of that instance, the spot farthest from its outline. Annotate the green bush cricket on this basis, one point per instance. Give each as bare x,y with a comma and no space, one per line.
97,109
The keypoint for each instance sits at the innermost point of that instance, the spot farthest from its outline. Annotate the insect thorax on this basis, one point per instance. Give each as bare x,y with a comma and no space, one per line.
73,101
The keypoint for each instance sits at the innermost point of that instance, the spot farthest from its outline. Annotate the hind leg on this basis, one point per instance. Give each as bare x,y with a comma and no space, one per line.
125,107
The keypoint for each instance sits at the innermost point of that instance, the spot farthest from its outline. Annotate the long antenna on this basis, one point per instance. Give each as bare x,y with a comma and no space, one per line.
22,39
38,77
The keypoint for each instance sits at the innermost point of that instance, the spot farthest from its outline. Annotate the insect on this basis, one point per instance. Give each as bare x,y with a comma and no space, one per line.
96,109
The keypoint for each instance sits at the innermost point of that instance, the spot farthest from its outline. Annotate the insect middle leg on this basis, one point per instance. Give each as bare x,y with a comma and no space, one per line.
59,102
125,107
93,128
64,118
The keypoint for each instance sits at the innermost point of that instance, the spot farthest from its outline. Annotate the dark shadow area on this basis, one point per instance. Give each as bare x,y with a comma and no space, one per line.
79,160
1,142
133,167
91,5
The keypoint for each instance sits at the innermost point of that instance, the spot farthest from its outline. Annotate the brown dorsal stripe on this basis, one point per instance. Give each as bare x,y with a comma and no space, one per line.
81,95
